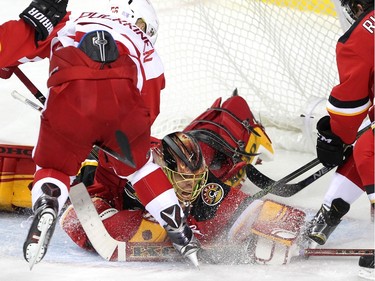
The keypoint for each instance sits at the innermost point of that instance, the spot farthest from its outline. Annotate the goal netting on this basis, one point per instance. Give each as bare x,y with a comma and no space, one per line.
280,55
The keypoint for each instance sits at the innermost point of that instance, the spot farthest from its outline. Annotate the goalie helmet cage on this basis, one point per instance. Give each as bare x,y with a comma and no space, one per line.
279,54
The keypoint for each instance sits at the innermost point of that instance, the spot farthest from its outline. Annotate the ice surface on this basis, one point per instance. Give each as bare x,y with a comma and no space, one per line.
65,261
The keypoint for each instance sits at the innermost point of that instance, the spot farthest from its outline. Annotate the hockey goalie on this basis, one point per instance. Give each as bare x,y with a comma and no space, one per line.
206,168
206,164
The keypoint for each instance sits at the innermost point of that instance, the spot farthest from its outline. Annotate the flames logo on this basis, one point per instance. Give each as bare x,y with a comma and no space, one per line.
212,194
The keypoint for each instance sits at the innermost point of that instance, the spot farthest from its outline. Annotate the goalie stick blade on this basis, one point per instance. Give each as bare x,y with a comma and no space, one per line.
123,142
117,156
103,243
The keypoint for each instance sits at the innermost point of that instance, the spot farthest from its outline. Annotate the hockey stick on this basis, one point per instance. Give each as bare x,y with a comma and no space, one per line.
282,182
113,250
25,100
337,252
268,189
29,85
103,243
123,142
108,247
121,138
287,190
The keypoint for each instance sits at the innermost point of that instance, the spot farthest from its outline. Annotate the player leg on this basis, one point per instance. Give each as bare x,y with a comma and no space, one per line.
344,189
152,186
364,160
58,159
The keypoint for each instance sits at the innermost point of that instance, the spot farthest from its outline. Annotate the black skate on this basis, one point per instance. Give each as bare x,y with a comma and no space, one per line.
43,225
326,221
366,264
181,235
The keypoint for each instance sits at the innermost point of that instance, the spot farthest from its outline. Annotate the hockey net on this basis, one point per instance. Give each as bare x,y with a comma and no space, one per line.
279,54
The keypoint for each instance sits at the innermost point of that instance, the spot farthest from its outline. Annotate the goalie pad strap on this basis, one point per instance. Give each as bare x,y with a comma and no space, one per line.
213,139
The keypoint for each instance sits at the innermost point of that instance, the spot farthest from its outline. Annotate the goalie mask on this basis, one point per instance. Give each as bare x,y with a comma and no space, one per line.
184,165
135,11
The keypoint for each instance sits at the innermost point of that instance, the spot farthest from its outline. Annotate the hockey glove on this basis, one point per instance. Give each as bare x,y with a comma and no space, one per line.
329,148
44,15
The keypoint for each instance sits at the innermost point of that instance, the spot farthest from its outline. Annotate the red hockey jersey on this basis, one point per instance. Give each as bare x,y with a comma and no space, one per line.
17,46
350,101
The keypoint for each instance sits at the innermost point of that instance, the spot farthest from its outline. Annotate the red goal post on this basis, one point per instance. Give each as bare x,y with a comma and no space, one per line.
280,55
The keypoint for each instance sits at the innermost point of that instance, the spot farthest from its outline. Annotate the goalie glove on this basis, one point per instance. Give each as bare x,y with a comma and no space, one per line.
330,148
44,15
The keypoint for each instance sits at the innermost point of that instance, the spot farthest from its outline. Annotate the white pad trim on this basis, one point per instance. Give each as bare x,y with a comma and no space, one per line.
166,199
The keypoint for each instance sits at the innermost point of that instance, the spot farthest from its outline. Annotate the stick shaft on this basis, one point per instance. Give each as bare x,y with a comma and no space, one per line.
338,252
30,85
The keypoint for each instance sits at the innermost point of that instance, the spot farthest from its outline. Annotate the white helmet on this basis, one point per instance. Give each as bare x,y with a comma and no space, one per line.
133,10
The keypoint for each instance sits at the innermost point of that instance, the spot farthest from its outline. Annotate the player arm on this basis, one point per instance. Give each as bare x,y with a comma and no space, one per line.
15,47
349,101
18,40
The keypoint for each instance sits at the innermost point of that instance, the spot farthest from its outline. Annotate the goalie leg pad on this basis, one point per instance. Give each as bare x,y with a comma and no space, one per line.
16,173
275,233
72,226
241,228
122,225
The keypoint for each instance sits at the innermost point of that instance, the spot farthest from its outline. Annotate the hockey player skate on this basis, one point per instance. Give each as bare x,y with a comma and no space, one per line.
366,264
43,225
181,235
326,220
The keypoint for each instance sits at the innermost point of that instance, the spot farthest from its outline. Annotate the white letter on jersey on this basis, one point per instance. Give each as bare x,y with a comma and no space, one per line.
369,24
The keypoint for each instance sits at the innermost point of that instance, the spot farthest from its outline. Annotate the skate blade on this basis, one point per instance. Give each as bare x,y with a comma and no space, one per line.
36,250
193,258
